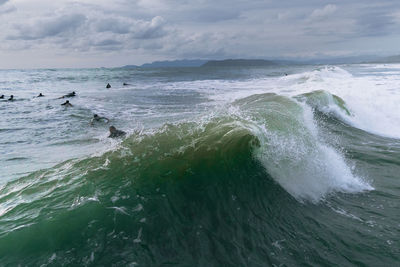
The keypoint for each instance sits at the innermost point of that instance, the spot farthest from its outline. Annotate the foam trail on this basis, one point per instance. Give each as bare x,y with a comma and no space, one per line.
373,100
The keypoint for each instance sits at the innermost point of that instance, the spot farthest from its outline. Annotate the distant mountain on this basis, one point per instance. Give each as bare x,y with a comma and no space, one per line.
130,67
213,63
239,63
262,62
169,64
175,63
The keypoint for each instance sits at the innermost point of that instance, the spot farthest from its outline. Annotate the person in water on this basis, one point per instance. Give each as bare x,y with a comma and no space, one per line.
67,104
98,118
11,98
108,86
116,133
72,94
2,97
40,95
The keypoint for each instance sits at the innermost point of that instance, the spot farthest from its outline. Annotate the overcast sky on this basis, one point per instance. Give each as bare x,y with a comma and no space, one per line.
94,33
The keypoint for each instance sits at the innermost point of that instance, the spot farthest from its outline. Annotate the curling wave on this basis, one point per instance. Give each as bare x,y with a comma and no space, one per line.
123,207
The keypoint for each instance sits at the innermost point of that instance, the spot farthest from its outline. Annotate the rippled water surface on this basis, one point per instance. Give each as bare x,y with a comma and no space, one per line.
220,167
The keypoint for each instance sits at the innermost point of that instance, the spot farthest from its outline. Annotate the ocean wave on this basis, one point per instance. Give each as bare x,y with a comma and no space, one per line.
280,131
274,130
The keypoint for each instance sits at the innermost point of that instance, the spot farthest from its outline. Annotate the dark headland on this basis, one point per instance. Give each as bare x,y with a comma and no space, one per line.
210,63
262,62
239,63
170,64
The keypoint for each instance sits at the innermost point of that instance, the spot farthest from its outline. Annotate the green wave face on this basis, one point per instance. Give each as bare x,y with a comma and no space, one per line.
178,195
128,201
321,100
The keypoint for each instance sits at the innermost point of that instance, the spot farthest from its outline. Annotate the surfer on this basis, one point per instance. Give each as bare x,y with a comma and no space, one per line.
108,86
72,94
67,104
116,133
2,97
98,118
40,95
125,84
11,98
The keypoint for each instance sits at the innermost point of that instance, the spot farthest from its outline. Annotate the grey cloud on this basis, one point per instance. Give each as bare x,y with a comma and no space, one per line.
199,28
376,23
333,24
48,27
7,9
150,30
200,11
106,45
211,15
108,42
113,25
137,29
321,13
205,45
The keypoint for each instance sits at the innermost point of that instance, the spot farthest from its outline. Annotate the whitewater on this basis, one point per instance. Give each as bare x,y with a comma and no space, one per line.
259,166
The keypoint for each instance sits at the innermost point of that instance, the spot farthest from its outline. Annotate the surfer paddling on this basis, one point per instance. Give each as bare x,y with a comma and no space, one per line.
66,104
98,119
72,94
114,133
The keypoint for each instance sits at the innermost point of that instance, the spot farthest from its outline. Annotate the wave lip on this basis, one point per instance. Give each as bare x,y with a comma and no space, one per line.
326,102
292,153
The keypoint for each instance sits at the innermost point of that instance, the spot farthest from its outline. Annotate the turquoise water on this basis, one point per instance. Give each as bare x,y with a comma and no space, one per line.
221,167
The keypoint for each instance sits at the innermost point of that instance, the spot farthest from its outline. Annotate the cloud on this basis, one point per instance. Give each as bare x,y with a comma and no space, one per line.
108,42
195,28
138,29
376,23
113,25
212,15
323,12
6,8
96,30
50,27
149,30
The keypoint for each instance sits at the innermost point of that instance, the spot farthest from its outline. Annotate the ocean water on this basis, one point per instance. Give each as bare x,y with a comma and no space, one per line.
266,166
